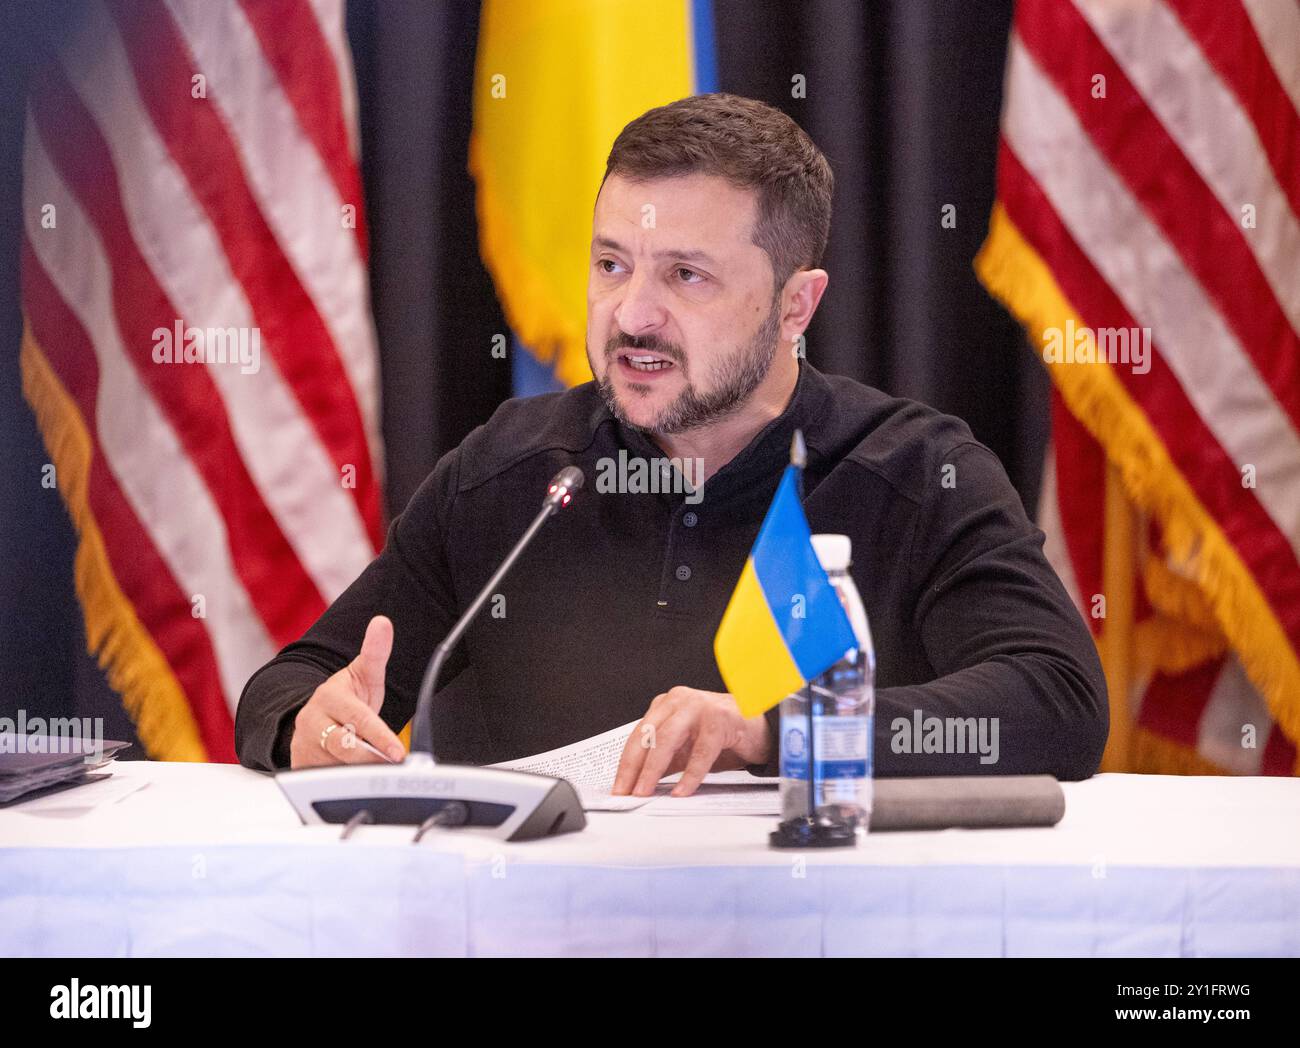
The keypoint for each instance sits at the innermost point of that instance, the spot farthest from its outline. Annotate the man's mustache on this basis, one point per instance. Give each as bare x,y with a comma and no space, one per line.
650,343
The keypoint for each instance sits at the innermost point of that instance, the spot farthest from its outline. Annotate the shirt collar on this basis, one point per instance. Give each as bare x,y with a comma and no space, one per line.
765,455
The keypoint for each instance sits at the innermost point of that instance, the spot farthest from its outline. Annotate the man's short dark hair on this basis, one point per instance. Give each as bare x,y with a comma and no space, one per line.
751,145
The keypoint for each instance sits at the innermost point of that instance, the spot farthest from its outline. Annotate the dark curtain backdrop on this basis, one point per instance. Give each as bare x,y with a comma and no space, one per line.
902,95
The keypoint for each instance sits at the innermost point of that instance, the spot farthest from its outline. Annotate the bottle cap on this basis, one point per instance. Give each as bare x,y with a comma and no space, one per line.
834,551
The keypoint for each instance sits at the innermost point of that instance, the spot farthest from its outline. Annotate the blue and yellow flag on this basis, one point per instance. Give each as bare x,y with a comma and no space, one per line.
555,83
784,624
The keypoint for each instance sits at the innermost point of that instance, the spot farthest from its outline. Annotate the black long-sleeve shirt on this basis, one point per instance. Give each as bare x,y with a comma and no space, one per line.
620,595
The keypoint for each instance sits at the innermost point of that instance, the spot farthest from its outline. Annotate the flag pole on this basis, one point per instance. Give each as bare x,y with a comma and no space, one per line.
798,459
1119,585
809,830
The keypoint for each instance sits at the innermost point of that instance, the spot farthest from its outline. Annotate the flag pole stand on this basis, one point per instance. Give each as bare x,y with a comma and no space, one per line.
812,829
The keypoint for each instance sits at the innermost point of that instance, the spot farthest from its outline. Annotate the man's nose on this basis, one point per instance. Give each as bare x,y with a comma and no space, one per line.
640,310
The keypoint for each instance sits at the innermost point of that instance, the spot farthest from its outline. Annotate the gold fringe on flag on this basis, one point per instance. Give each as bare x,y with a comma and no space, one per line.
1015,274
1166,645
135,666
1160,756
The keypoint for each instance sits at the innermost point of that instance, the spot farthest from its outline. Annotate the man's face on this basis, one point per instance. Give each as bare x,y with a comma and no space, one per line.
682,317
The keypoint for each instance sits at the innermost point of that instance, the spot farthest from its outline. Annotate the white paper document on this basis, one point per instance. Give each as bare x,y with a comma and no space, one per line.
590,766
709,799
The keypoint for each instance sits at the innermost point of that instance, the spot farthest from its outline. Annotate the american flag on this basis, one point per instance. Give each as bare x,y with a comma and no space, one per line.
1149,188
198,346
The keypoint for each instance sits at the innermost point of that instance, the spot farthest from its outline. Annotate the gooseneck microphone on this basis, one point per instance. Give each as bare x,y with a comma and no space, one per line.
513,805
558,494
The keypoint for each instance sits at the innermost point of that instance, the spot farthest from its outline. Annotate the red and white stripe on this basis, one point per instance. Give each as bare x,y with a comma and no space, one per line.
1204,709
221,212
1136,202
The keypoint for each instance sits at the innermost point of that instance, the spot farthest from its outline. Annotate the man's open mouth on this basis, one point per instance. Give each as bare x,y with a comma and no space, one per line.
642,361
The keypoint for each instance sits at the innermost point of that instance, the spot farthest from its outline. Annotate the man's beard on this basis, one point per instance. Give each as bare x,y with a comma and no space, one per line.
735,378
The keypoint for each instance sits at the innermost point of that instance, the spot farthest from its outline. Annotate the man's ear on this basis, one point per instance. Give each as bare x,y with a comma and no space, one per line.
801,295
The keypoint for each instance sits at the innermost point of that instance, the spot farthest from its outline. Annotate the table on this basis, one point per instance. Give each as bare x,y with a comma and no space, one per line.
211,860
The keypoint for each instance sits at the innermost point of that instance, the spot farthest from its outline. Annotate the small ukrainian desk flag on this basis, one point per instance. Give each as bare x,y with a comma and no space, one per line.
784,624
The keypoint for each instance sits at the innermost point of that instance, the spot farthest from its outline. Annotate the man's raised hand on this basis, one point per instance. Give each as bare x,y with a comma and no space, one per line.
346,708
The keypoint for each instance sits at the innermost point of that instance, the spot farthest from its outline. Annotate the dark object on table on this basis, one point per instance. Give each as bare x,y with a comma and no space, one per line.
32,764
968,802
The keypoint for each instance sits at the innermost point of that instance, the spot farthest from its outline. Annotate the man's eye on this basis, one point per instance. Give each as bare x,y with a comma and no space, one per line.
602,263
689,274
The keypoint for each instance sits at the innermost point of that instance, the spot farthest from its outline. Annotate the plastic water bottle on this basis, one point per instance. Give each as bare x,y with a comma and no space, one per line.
843,714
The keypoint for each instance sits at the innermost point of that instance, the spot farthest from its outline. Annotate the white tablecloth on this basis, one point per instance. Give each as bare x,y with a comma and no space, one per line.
211,860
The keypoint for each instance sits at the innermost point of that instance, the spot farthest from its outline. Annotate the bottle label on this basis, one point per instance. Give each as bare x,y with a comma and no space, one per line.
842,747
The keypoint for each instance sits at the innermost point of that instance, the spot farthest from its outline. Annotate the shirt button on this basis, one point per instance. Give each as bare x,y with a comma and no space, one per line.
683,573
690,520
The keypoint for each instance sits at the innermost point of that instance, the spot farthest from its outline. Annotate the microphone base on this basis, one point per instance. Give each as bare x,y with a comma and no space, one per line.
497,802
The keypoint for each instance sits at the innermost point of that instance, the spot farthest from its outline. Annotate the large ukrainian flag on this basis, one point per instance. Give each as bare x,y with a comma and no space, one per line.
784,624
555,82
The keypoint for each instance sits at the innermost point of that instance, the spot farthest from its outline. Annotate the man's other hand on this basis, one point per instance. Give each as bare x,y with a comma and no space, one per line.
694,732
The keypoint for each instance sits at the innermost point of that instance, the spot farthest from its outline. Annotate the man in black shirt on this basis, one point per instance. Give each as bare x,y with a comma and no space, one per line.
712,217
